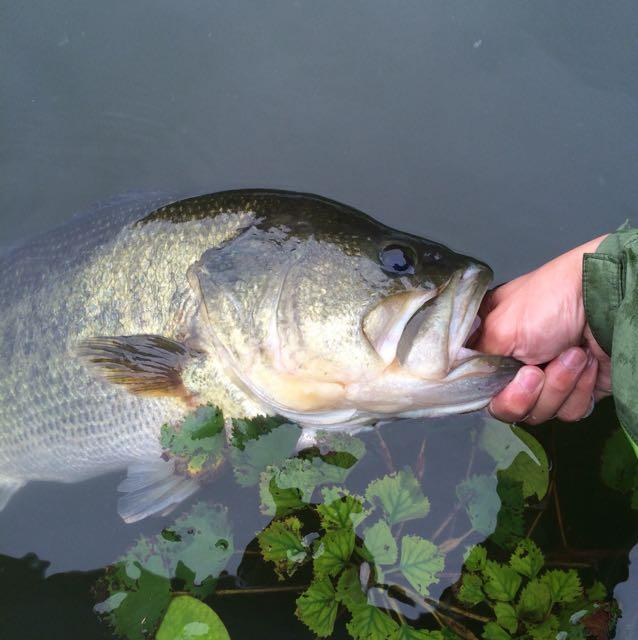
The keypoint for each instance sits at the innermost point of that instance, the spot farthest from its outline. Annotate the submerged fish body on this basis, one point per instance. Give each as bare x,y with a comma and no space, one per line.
260,302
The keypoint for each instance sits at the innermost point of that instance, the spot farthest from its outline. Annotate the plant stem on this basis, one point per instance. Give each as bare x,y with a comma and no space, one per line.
457,610
420,461
253,590
453,543
387,456
444,524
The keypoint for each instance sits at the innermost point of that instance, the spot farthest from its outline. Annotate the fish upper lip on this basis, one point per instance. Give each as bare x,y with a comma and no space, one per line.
470,286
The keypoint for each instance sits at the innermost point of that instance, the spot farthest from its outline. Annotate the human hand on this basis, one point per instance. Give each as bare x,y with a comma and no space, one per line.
539,318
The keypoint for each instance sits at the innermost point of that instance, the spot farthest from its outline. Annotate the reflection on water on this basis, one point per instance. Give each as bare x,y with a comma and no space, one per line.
463,526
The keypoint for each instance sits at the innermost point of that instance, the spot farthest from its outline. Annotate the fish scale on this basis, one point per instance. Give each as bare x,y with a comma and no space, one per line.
252,300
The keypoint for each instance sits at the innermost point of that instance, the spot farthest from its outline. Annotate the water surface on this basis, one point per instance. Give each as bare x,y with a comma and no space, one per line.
507,131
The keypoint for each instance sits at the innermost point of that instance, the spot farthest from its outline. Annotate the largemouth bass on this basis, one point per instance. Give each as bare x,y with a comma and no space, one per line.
259,302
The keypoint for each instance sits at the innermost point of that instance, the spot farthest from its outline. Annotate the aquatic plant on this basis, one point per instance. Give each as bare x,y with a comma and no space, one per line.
357,557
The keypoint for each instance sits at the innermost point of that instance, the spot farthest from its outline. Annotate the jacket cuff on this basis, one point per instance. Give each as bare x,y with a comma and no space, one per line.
603,290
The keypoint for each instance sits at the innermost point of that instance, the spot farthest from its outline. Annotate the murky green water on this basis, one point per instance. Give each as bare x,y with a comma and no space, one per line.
507,131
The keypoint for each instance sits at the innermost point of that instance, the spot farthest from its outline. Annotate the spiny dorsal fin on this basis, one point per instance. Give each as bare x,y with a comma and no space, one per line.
146,365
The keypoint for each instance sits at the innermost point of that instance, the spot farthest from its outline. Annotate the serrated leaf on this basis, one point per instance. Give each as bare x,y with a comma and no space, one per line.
476,558
597,592
340,509
269,449
420,561
198,441
478,496
245,429
501,583
317,607
564,586
190,619
546,630
527,558
380,543
506,616
333,551
370,623
471,591
400,496
491,631
535,602
278,501
281,543
518,455
200,539
349,591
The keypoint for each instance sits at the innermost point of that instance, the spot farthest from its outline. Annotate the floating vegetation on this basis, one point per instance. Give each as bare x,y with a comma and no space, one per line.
367,559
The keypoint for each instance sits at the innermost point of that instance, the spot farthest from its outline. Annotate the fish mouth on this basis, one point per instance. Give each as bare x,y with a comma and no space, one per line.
425,331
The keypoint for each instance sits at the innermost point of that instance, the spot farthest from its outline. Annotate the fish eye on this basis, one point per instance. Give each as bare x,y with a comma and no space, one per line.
397,259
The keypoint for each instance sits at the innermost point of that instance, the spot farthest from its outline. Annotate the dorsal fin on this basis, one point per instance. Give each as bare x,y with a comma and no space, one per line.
146,365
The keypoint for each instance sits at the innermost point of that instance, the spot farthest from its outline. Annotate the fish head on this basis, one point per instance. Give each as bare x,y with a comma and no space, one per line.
328,317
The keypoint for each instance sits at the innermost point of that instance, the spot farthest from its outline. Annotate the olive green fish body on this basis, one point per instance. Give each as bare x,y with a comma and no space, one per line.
256,301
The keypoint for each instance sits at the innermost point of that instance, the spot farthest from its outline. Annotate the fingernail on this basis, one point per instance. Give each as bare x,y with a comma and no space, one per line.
573,359
590,358
529,379
592,404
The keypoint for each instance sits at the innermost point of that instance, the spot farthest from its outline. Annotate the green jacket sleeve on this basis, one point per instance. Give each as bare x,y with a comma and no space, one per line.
610,294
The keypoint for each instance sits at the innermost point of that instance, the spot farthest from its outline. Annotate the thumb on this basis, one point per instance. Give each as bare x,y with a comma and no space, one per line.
493,335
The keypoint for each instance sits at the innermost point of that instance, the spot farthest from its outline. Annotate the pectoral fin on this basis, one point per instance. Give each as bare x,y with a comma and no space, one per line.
152,488
8,487
146,365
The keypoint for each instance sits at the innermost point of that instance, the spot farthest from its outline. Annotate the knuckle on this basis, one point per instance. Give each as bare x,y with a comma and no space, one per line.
562,381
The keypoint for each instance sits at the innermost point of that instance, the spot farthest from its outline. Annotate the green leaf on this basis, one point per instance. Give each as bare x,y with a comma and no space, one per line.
200,540
370,623
295,481
245,429
479,497
257,454
380,543
501,582
333,551
476,558
491,631
510,524
199,439
317,607
420,561
619,467
340,509
546,630
138,613
278,501
535,602
564,586
597,592
400,496
406,632
506,616
190,619
527,558
519,455
471,591
349,591
280,542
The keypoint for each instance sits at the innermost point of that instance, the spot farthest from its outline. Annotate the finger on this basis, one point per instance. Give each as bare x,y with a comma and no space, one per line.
579,404
561,376
517,399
